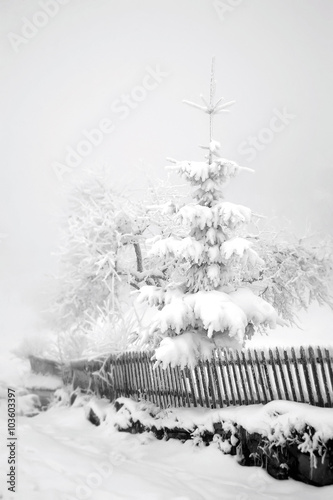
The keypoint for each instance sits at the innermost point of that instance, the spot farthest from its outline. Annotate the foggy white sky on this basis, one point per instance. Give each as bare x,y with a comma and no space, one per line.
270,56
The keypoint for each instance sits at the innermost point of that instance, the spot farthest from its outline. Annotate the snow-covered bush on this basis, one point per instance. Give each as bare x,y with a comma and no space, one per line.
99,256
207,299
297,272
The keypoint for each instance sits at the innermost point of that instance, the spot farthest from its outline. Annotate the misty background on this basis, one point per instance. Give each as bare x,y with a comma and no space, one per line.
72,72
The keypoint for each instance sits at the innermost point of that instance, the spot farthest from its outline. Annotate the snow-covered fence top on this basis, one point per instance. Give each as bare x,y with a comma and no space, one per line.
230,378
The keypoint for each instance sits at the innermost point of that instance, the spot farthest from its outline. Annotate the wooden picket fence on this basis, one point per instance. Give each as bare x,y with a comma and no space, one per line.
230,378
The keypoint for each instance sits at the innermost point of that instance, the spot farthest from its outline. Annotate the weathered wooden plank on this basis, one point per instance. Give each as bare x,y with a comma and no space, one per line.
290,377
228,369
152,371
220,364
282,376
323,373
313,364
217,381
159,377
186,392
328,359
254,377
133,365
142,381
177,381
109,378
188,373
154,374
235,376
265,362
166,387
299,382
248,392
123,365
244,388
198,387
172,396
176,387
135,370
204,384
150,378
304,362
129,375
261,378
117,377
211,386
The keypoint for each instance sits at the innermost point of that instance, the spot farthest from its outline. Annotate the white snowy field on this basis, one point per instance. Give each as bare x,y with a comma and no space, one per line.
62,456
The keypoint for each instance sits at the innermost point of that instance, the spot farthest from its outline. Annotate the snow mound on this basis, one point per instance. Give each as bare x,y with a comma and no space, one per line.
28,405
184,350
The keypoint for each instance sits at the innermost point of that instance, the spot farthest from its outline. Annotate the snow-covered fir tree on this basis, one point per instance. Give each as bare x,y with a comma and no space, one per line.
205,302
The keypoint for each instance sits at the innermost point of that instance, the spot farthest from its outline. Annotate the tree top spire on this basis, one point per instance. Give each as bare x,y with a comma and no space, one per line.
210,107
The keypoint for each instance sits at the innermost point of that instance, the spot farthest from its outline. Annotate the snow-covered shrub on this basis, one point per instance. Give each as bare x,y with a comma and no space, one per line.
100,246
28,405
298,272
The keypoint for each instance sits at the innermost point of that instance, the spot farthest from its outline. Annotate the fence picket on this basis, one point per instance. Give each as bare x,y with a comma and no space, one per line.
126,381
329,362
299,382
291,382
143,383
306,375
260,376
313,365
211,384
245,364
253,374
217,381
198,387
232,392
325,381
187,373
279,363
235,376
226,396
204,383
245,391
181,386
275,375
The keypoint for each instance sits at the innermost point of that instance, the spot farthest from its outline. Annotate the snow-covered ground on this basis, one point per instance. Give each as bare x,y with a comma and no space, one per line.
62,456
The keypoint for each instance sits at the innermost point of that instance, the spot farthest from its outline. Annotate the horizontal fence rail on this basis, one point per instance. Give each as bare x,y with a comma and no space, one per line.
230,378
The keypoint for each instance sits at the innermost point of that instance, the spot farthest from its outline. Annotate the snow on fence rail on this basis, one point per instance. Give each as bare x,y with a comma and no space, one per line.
229,378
